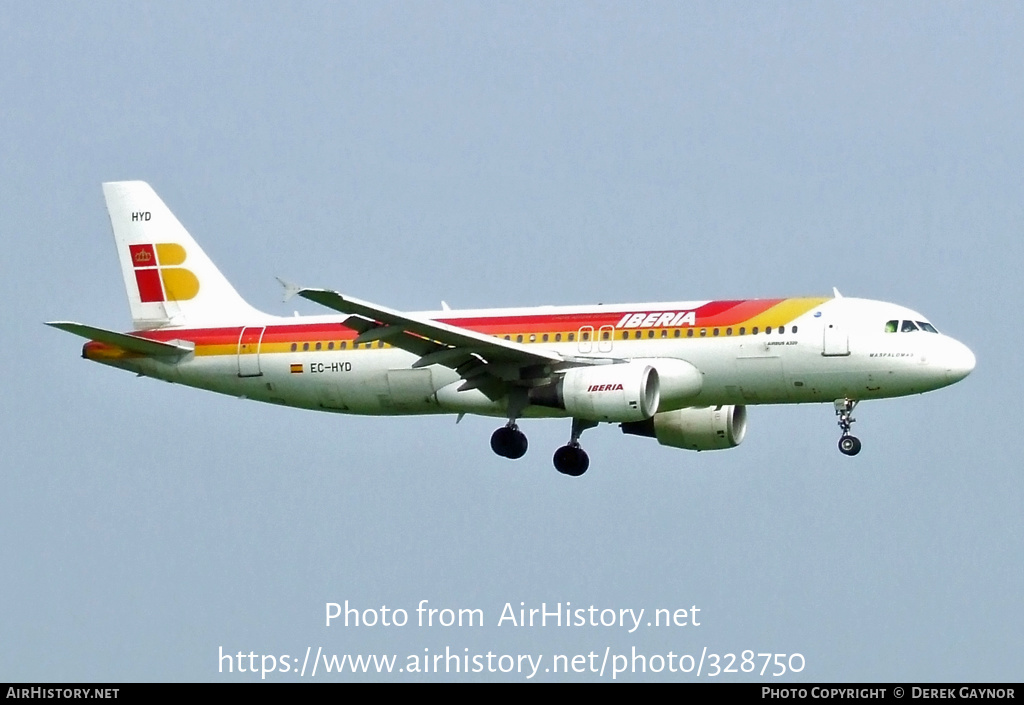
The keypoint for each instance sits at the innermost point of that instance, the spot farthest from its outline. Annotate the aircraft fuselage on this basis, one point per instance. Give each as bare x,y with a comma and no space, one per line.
776,351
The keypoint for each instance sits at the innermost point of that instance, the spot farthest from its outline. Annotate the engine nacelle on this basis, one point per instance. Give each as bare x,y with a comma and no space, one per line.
709,428
678,381
621,392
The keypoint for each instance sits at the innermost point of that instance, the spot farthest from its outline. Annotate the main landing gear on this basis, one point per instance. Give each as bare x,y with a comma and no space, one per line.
848,445
509,442
571,459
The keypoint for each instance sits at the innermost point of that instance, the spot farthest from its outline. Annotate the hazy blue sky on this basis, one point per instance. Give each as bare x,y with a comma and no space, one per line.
504,154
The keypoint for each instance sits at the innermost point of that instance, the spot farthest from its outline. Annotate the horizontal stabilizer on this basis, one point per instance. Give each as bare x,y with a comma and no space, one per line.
132,343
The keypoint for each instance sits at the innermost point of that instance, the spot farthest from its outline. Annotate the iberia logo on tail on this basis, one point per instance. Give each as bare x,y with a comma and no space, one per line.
158,276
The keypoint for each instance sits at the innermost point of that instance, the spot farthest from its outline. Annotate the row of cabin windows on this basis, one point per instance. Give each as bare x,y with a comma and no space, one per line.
571,337
704,331
677,333
331,345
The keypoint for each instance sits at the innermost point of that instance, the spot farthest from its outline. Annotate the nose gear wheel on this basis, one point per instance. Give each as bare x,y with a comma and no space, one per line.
848,444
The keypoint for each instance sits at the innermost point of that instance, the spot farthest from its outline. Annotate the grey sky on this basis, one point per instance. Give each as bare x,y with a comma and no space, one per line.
506,154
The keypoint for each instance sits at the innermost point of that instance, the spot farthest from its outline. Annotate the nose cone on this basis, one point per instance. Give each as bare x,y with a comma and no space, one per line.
959,361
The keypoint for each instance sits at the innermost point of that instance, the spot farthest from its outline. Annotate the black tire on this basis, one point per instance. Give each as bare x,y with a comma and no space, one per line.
518,445
499,441
849,445
509,443
572,461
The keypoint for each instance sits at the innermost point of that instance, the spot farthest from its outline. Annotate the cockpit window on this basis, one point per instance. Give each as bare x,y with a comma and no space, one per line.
909,326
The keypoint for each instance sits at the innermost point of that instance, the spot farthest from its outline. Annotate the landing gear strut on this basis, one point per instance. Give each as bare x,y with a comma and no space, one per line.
571,459
508,441
848,445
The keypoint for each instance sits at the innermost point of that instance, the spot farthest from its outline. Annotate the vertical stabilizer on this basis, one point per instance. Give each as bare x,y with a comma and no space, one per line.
170,281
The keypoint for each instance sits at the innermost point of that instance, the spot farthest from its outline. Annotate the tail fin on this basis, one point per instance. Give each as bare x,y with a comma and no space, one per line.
170,281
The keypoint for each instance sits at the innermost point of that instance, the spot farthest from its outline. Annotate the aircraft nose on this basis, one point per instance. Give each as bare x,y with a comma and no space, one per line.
959,361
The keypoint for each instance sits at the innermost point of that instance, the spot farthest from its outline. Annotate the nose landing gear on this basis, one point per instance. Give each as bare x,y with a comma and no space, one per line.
848,445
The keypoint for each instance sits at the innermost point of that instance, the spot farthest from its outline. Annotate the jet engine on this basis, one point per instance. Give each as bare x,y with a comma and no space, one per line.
708,428
619,392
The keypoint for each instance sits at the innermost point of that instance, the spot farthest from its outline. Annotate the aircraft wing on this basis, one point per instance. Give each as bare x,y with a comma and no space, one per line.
125,341
476,356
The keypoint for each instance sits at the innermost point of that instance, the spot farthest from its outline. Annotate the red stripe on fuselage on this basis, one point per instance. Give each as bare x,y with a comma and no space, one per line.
714,313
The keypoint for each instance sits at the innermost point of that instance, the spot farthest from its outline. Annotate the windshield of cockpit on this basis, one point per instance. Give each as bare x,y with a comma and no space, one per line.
909,327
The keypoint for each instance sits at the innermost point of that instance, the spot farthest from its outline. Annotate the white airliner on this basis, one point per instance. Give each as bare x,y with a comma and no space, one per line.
681,372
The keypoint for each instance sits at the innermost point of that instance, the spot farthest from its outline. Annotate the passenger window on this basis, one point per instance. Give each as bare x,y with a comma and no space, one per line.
295,346
572,337
794,329
728,331
703,332
754,331
676,333
305,346
558,337
519,338
714,332
689,332
605,335
318,345
343,345
743,330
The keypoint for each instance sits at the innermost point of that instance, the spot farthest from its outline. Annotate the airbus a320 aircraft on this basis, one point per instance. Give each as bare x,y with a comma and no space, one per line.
681,372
